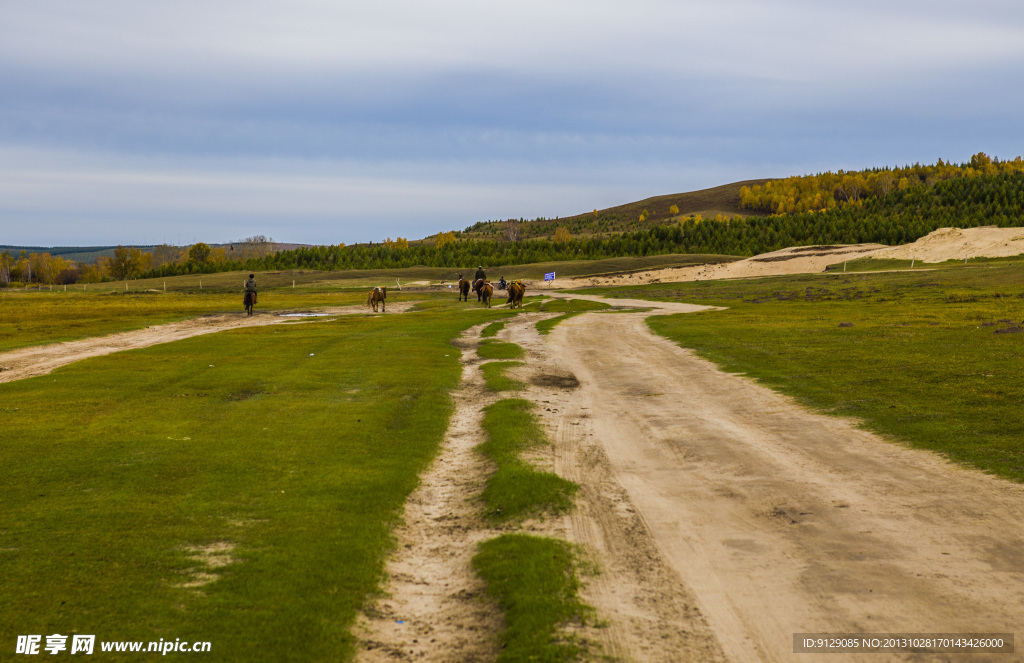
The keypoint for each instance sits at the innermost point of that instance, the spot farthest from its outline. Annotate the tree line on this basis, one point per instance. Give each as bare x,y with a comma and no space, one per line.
901,216
985,192
128,262
828,191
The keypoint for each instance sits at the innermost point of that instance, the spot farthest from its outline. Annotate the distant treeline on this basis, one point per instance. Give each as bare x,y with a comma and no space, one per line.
881,205
903,215
826,191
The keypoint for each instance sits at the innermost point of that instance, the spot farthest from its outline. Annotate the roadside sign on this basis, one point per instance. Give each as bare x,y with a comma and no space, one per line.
550,276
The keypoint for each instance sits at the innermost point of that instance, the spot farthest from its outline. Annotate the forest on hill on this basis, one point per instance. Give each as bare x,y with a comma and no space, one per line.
903,215
717,202
918,200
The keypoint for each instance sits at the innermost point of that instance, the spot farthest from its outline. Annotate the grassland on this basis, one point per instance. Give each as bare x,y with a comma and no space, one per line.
237,488
492,329
516,489
931,358
38,315
536,583
493,349
495,378
33,318
889,264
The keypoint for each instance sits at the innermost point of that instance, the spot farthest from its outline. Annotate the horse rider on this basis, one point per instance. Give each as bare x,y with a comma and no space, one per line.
480,274
501,283
250,286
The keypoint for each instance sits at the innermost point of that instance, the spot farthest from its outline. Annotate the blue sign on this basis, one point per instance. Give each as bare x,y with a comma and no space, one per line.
550,276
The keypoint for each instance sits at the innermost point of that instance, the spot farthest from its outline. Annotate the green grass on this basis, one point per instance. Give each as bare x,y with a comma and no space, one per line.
572,308
878,264
872,265
535,581
499,350
291,449
492,329
495,378
516,489
921,362
34,318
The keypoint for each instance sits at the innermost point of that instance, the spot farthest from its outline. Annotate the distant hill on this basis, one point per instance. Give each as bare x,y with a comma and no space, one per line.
710,203
84,254
724,200
88,254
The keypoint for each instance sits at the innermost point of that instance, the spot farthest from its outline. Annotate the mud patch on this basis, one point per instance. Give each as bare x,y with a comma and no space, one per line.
244,395
208,559
567,381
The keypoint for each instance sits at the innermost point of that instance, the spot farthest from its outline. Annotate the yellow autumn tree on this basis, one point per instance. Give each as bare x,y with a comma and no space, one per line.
445,238
562,234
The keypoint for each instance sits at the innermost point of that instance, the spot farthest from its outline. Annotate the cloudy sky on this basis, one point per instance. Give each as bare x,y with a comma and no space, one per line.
326,121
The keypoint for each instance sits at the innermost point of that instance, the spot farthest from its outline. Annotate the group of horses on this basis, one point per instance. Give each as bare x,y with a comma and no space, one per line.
484,291
482,287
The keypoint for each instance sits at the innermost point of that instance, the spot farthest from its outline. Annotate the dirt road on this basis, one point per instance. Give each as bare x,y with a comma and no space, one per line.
773,519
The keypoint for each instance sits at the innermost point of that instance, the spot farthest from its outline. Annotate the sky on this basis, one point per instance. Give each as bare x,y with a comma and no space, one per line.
328,121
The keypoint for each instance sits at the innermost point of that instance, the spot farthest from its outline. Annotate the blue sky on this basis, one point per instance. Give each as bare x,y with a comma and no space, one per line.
319,121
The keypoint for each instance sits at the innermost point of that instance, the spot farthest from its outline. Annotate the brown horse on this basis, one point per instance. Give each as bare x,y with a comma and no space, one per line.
378,294
463,288
479,283
249,300
516,290
486,291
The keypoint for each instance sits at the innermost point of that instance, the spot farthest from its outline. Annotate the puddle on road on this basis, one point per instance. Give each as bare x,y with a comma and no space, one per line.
302,315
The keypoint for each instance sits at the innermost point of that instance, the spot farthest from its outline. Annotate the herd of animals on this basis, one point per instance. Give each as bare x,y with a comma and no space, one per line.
484,290
482,287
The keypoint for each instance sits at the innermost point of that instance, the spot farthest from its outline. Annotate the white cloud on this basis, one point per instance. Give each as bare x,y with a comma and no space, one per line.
794,40
291,200
409,117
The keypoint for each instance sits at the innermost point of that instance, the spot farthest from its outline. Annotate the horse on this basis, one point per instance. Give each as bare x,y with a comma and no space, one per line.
486,291
378,294
516,290
479,283
249,301
463,288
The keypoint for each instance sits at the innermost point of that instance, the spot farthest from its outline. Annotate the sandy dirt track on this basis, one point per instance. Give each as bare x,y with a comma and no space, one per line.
42,359
432,608
781,521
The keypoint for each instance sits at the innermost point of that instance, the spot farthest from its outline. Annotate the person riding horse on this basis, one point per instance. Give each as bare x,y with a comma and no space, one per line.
501,283
479,279
250,293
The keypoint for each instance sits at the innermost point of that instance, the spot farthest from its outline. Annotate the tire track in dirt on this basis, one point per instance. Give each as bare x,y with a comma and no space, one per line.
42,359
774,519
433,607
647,613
